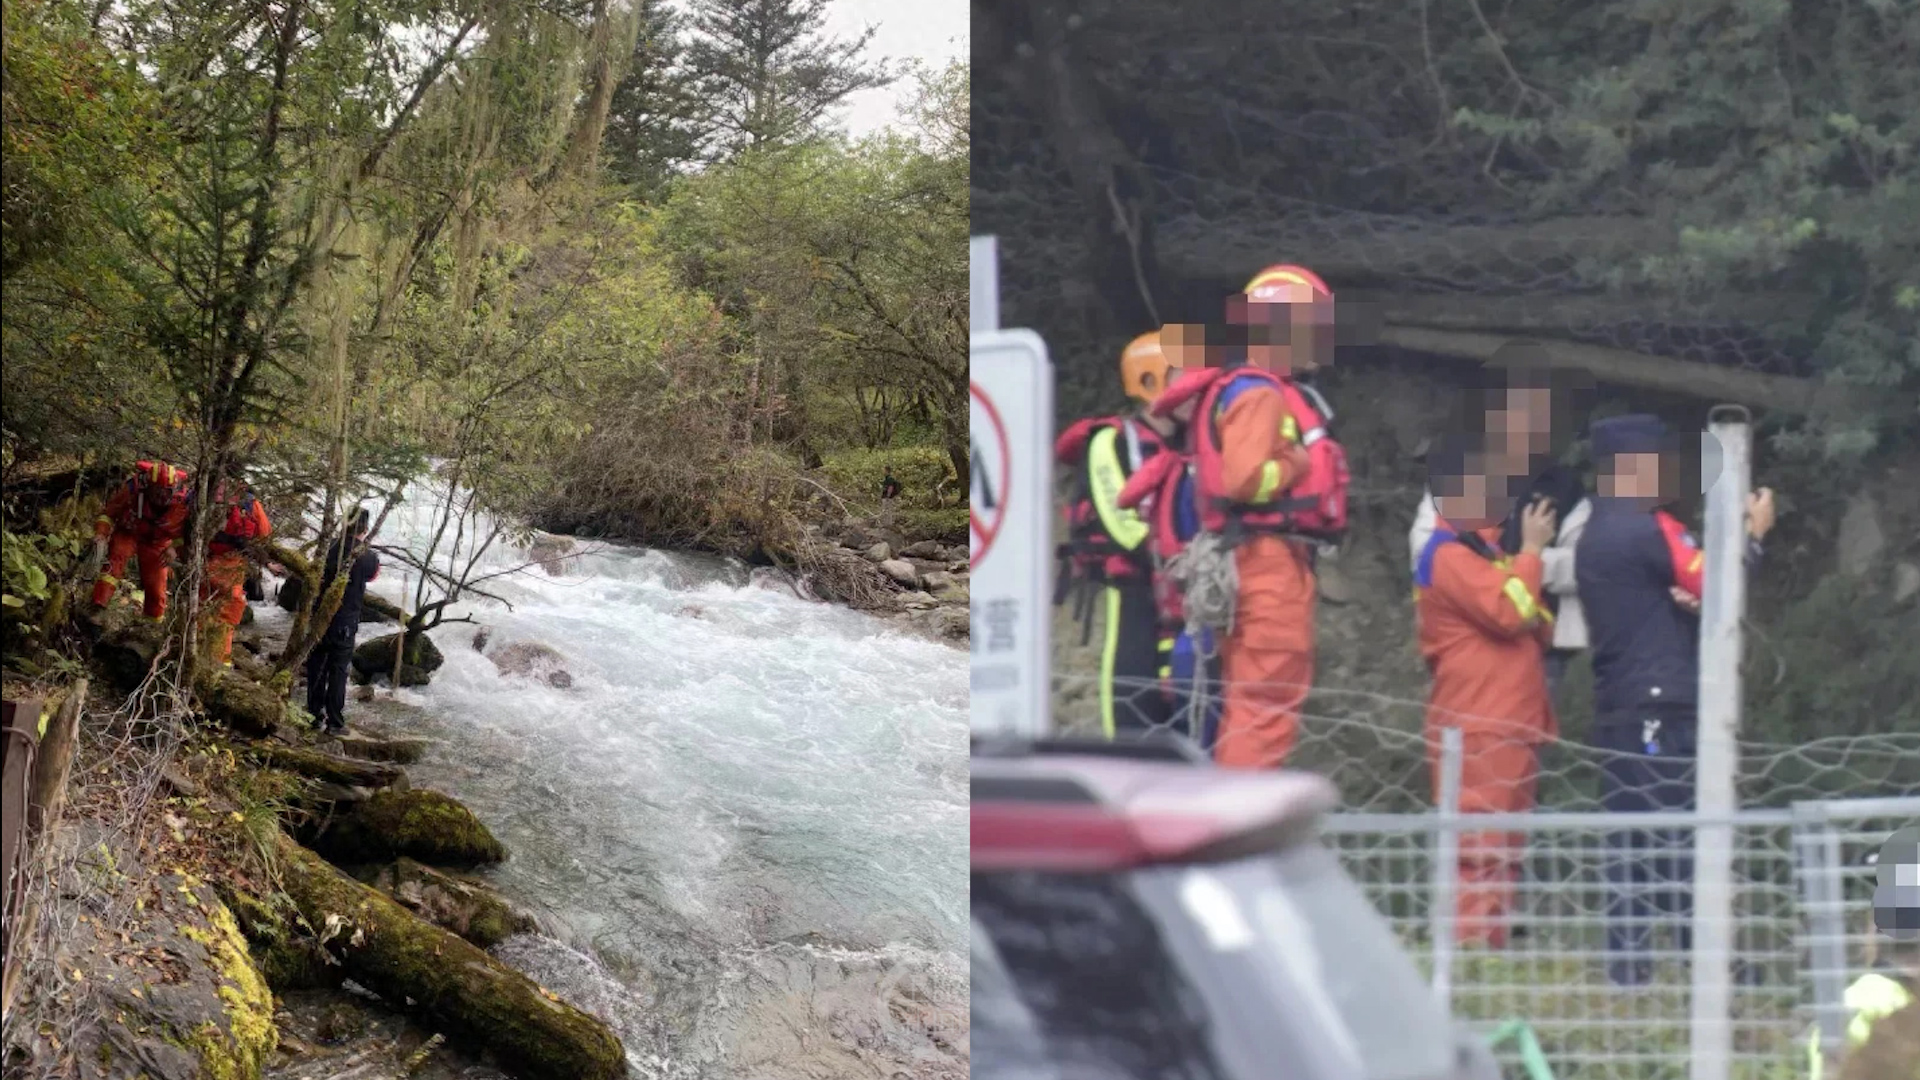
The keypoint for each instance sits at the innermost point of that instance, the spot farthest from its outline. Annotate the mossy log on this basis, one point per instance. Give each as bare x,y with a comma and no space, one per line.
404,959
419,824
338,770
370,748
239,702
465,907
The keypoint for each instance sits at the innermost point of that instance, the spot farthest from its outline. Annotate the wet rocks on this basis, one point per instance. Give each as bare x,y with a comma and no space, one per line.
461,905
901,571
549,552
530,659
374,659
418,824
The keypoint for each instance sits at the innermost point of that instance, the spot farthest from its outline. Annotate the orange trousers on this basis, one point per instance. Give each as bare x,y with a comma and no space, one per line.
226,582
154,560
1499,774
1267,662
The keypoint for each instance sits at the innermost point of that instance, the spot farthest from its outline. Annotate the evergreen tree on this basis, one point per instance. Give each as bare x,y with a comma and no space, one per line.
655,125
768,72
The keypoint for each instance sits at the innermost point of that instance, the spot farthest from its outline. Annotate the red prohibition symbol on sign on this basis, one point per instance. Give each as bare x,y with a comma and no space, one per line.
985,486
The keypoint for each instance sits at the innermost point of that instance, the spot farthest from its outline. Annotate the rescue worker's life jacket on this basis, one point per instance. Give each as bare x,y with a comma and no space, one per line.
1870,998
1163,492
1315,506
240,526
1102,544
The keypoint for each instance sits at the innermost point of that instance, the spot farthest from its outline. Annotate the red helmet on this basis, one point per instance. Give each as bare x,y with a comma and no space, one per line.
160,474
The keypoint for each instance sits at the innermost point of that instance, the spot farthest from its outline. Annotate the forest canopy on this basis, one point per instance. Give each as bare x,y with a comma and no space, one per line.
613,266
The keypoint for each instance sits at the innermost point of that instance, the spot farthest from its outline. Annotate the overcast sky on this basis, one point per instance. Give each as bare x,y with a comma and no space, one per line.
931,30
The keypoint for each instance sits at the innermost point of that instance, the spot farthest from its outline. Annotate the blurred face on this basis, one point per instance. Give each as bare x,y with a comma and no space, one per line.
1474,501
1520,427
1285,338
1635,476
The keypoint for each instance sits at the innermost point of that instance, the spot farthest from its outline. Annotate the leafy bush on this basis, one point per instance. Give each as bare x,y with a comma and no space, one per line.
855,475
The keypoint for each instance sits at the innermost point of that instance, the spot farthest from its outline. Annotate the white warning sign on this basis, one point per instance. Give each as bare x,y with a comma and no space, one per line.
1011,525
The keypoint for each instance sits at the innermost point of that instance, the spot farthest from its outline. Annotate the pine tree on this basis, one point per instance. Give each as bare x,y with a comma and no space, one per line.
656,125
768,72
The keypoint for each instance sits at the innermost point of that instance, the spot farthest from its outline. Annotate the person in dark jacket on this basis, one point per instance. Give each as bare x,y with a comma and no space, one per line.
332,655
1640,574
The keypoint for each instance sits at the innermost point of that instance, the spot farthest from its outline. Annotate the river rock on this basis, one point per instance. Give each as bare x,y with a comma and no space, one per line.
550,551
879,552
419,824
901,571
374,659
935,581
532,660
925,549
916,600
466,907
959,566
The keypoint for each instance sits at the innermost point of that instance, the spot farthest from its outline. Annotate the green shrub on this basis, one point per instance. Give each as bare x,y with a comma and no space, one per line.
947,525
855,476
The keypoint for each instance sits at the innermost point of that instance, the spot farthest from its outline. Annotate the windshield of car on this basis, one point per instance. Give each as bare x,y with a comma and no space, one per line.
1196,973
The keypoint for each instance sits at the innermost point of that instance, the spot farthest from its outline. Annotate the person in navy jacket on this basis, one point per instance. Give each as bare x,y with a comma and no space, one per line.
1639,573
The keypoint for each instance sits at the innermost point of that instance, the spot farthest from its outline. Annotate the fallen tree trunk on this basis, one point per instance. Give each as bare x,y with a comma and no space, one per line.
404,959
1778,393
467,908
338,770
369,748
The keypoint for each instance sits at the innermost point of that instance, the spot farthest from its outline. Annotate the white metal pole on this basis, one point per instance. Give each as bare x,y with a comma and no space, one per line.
1723,603
983,294
1446,863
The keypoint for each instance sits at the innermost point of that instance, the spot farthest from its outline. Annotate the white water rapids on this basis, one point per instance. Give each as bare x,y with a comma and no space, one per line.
743,826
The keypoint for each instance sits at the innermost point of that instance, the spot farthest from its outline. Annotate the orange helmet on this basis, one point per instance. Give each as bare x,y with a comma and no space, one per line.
1145,368
160,474
1287,284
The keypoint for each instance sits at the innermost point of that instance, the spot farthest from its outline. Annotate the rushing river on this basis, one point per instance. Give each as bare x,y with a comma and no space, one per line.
743,826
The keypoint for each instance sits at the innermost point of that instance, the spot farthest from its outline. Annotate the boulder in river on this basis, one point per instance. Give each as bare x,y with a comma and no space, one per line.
936,580
901,571
879,552
374,659
419,824
550,552
532,660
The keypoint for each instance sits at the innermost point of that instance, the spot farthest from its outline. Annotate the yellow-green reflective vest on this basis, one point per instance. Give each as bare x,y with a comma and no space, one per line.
1871,997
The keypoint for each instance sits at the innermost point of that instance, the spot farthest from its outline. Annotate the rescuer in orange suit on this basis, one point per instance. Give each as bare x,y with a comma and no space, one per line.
1484,633
1248,435
144,516
1267,661
243,521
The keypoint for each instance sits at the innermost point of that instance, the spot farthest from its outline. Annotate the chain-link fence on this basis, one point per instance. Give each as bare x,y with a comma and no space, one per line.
1594,950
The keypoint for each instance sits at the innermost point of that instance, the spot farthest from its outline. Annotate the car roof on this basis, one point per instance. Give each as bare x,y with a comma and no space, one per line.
1100,811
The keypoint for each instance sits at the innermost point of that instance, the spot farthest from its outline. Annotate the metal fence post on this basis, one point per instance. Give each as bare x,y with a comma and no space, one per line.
1446,863
1722,605
983,292
1825,906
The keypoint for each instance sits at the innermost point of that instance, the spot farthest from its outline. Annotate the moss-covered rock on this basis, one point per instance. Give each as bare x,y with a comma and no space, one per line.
461,905
394,953
419,824
238,1048
374,659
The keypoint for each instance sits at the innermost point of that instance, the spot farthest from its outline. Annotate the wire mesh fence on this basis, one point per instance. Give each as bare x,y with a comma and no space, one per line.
1593,946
